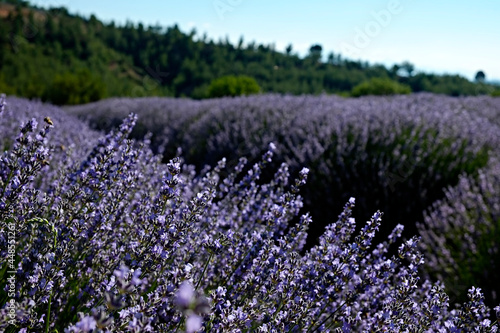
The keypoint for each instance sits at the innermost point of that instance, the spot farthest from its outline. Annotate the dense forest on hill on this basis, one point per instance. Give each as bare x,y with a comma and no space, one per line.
68,59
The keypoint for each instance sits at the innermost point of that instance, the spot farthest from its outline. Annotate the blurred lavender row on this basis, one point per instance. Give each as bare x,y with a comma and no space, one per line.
461,235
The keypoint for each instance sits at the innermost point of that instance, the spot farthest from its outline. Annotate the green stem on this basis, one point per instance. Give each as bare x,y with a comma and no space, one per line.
179,324
48,315
326,319
226,280
204,270
278,309
197,285
53,229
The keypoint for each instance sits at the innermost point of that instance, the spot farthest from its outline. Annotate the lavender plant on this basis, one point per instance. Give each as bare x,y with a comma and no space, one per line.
120,242
165,118
461,236
392,153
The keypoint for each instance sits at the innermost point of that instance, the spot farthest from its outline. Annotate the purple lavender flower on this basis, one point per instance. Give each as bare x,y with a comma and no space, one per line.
108,238
86,324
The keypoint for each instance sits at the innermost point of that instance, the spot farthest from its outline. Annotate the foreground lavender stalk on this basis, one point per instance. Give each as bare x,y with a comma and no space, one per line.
109,239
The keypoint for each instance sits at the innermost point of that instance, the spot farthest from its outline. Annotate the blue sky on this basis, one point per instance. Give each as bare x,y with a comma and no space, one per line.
447,36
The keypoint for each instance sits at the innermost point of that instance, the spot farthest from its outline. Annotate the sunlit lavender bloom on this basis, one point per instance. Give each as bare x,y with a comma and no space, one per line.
86,324
185,296
193,323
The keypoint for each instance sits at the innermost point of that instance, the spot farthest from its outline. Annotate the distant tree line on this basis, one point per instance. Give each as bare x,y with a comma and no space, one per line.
45,53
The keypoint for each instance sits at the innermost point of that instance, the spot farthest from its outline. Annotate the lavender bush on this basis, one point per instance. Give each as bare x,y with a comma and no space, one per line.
395,154
166,118
119,242
461,235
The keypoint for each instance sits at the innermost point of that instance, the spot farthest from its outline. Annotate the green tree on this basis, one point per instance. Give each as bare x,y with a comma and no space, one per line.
75,88
408,68
315,53
233,86
4,87
380,86
480,76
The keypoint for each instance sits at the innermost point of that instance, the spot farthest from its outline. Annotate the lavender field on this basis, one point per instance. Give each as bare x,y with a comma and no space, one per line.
266,213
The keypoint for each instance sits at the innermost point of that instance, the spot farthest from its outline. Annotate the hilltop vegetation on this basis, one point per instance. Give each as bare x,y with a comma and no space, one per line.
46,53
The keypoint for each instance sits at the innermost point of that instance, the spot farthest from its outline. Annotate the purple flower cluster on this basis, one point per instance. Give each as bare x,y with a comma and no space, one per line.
461,235
109,239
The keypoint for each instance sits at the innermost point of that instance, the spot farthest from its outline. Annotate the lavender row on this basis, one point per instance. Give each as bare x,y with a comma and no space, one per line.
120,242
395,154
461,235
165,118
231,122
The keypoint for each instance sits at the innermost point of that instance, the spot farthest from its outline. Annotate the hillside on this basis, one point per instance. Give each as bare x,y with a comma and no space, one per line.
64,58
